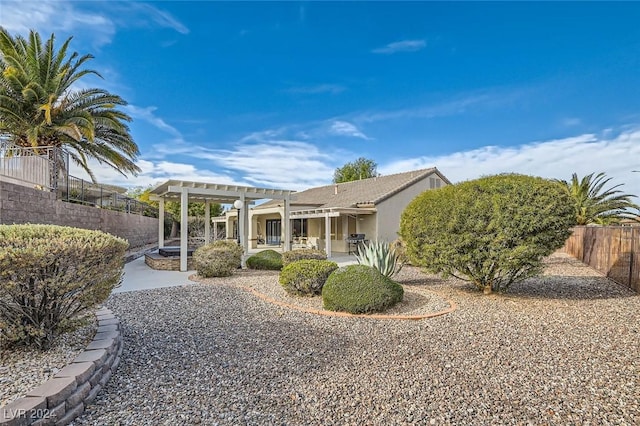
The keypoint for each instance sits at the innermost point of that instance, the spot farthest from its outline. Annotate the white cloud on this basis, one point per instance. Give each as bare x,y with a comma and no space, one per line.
51,17
275,163
401,46
614,155
489,98
571,121
344,128
153,173
159,17
333,89
148,114
75,18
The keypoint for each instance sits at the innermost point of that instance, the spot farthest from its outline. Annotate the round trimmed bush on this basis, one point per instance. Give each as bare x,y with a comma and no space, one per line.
295,255
306,277
49,275
267,259
360,289
218,259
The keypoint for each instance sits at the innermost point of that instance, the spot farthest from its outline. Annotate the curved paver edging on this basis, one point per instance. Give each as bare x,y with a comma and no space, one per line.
452,307
61,399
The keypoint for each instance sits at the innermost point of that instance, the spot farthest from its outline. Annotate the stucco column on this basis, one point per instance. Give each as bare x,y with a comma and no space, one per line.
244,227
251,228
207,221
184,228
286,223
327,234
345,227
161,223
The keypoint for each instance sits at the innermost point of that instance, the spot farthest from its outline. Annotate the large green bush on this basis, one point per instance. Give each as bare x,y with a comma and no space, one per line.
306,277
266,259
49,275
218,259
295,255
360,289
492,231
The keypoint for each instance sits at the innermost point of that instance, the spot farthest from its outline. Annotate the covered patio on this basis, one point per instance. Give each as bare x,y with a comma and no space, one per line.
239,196
334,224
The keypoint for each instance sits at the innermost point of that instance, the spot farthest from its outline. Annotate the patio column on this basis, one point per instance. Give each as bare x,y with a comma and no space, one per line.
161,223
207,221
250,231
244,225
327,233
286,223
184,228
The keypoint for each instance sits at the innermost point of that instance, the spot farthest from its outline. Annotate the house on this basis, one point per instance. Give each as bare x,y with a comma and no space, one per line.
324,217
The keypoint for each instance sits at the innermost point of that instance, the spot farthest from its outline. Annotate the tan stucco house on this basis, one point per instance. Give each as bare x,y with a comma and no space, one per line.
324,217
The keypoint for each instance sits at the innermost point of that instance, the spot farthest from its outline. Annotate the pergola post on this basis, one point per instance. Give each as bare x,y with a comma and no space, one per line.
184,228
327,234
161,223
286,223
207,221
244,225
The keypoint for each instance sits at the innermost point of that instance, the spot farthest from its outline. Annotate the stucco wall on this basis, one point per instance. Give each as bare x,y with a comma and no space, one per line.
390,210
25,204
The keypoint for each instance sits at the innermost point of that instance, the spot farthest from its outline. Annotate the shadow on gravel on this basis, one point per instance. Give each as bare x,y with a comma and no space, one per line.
570,288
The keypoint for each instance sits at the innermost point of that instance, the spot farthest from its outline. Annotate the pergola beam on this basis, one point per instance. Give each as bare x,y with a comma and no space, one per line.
184,191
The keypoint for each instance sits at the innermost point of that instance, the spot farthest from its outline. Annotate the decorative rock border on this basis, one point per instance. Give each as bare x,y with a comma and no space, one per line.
61,399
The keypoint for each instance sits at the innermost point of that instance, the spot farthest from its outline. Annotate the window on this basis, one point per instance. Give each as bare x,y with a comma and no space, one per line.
300,228
434,183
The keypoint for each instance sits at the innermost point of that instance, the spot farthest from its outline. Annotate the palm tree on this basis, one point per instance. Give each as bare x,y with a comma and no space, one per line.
41,105
594,204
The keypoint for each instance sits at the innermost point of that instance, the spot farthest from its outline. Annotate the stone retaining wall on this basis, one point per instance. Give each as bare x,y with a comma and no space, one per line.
162,263
25,204
61,399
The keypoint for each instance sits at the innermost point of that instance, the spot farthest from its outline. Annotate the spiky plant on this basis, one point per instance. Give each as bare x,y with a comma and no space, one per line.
42,105
594,203
379,255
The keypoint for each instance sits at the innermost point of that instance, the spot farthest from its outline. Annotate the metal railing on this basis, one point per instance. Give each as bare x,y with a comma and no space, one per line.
48,168
75,190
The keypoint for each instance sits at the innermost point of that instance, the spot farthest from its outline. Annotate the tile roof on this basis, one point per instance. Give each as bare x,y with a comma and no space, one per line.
351,194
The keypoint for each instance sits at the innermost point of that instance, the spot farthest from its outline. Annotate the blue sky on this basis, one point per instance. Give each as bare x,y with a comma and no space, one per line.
279,94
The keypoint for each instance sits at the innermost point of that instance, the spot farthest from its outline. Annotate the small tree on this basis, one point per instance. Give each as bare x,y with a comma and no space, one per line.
492,231
362,168
195,209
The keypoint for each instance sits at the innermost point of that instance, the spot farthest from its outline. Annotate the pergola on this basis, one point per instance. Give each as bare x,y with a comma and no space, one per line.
185,191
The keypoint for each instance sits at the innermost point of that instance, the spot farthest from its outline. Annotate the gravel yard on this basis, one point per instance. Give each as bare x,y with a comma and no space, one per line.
22,369
559,349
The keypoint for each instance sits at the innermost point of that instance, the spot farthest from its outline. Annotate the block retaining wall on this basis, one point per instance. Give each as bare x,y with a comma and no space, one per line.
25,204
62,398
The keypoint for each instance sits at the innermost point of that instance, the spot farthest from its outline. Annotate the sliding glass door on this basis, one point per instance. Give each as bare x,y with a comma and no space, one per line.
274,230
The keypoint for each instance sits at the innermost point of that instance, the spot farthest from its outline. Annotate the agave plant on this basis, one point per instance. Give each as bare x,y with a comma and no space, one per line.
379,255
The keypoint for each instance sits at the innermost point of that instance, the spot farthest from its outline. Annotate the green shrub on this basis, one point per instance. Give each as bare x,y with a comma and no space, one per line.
266,259
492,231
306,277
379,255
49,275
218,259
360,289
295,255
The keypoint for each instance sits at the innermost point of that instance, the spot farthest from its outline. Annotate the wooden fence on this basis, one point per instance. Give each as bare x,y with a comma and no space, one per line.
612,250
